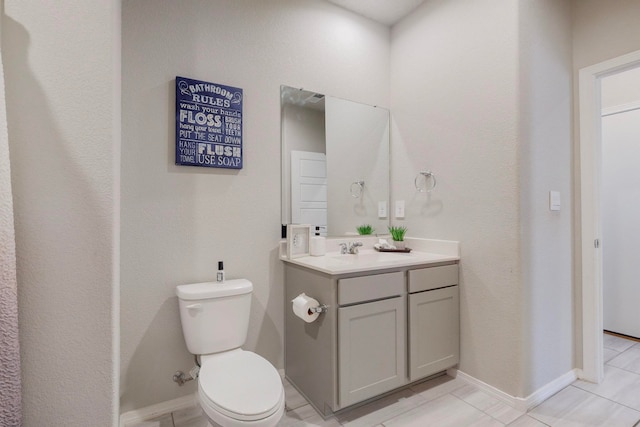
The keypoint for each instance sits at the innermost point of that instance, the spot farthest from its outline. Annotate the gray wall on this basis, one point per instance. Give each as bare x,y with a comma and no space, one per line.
177,222
485,104
62,90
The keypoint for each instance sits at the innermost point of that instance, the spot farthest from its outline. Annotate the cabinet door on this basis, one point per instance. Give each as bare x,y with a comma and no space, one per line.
434,331
371,349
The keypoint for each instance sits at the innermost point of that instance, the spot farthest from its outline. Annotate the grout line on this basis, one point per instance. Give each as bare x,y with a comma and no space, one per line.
606,398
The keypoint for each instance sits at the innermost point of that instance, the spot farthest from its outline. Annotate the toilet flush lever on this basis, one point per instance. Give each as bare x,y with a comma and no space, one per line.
197,307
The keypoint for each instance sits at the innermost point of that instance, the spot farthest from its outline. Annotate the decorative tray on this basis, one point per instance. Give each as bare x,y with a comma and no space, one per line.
405,250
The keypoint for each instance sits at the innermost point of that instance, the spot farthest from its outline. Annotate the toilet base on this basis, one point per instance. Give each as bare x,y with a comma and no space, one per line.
217,419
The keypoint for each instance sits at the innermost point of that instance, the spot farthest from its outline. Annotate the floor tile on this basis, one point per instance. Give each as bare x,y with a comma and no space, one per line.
438,387
164,421
446,411
526,421
609,354
475,397
187,415
629,360
504,413
382,409
295,416
574,407
201,422
617,343
293,398
314,421
618,385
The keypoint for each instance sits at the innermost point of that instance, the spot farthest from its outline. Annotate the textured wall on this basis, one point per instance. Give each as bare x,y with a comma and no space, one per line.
177,222
454,102
545,164
10,377
63,112
485,105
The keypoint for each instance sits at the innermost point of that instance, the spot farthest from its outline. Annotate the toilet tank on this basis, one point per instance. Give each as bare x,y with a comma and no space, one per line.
215,315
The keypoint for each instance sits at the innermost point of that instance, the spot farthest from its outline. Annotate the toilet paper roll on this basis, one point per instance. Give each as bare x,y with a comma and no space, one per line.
318,246
302,305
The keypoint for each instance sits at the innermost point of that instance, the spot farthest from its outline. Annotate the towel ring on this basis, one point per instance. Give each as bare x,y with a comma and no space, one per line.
424,176
356,189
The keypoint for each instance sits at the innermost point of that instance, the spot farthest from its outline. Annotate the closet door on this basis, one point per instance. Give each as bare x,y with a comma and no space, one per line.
620,195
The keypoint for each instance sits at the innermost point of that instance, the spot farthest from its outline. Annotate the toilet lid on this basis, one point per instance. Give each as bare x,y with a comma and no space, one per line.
243,385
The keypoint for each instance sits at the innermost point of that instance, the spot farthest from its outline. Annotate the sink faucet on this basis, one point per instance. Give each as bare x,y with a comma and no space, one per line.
350,248
353,247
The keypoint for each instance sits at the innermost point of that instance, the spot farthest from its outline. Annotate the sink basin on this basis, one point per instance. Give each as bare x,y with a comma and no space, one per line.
369,257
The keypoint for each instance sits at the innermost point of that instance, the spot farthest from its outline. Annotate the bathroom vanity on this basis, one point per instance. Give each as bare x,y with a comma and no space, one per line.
391,320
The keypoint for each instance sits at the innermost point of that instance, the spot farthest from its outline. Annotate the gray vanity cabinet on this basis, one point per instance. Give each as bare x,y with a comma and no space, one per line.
371,336
382,330
434,320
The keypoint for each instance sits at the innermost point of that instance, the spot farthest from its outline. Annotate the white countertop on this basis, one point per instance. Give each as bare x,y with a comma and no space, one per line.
424,252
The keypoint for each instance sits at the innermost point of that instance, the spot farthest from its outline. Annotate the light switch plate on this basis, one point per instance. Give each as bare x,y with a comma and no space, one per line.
554,200
382,209
399,209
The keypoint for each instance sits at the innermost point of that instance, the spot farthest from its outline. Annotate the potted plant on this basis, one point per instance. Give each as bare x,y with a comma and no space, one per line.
365,229
397,234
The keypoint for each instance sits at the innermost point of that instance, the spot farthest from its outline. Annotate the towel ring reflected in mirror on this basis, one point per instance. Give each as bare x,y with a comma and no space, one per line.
356,189
422,181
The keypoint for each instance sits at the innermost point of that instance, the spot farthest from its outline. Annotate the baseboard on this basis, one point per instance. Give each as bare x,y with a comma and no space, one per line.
154,411
520,403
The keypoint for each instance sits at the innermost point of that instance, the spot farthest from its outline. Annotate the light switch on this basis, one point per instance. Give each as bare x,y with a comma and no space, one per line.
382,209
399,208
554,200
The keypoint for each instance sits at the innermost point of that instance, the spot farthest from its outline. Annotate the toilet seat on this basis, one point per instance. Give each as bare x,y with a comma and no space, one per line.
240,385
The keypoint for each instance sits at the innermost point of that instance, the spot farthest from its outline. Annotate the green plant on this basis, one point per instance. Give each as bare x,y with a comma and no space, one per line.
397,233
365,229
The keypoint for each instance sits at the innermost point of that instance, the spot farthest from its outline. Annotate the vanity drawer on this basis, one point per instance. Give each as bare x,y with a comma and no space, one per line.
433,278
367,288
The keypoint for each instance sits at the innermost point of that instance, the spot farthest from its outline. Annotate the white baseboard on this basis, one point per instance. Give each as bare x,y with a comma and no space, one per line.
520,403
154,411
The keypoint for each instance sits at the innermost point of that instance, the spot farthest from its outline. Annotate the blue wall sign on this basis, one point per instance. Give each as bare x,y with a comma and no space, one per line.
208,124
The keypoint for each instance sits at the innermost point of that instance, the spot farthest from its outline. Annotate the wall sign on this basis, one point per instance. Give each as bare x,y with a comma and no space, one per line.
208,124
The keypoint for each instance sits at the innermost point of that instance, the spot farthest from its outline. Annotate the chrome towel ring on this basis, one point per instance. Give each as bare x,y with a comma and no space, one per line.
356,189
422,180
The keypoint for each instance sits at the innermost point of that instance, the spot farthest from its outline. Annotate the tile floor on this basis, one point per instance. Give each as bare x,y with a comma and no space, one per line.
445,401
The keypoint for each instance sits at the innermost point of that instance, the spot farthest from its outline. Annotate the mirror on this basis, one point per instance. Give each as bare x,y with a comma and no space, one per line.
335,163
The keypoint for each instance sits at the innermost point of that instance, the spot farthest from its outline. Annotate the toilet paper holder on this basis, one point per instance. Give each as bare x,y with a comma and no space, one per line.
322,308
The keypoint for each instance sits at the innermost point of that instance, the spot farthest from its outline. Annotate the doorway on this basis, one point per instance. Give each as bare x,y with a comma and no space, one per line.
620,195
590,149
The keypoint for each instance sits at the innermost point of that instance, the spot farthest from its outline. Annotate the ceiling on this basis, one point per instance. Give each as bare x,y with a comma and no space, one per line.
387,12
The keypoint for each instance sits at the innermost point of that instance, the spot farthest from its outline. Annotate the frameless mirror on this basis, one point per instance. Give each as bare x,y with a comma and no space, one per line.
335,163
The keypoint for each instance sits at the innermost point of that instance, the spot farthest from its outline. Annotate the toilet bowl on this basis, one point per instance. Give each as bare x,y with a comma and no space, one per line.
236,387
240,388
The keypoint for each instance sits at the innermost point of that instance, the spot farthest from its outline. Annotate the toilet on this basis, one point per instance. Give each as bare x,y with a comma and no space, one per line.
236,388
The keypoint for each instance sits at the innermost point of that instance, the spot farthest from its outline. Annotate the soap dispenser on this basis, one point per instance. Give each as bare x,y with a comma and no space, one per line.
220,273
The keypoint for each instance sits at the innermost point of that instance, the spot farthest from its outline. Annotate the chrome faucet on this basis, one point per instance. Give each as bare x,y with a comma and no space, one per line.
353,247
350,248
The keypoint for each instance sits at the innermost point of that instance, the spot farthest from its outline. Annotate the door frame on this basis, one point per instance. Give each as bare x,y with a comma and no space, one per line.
589,145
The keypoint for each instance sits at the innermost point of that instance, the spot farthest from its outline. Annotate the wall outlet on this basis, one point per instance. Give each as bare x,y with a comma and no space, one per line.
399,209
382,209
